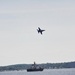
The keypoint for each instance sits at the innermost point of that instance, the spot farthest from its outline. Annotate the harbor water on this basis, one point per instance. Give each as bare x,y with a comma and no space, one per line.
45,72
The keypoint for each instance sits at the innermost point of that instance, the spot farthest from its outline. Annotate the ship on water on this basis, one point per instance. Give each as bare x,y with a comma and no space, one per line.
34,67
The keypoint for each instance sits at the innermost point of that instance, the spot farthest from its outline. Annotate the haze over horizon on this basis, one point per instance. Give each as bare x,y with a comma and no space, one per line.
19,40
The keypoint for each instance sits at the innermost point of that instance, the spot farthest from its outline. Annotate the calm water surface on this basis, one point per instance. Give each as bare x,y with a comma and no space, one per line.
45,72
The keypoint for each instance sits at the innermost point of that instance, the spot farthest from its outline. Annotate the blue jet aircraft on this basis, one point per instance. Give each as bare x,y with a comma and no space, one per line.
40,30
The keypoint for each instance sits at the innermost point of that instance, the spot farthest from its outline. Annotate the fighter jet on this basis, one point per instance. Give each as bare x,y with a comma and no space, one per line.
40,30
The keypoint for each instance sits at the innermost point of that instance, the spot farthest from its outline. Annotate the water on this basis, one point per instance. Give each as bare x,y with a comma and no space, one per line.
45,72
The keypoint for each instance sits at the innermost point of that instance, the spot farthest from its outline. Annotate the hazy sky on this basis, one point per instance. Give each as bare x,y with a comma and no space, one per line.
19,39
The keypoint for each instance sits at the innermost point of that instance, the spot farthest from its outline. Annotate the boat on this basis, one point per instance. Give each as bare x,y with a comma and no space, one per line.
34,67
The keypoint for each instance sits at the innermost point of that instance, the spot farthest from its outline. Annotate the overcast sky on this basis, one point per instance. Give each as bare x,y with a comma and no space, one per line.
19,40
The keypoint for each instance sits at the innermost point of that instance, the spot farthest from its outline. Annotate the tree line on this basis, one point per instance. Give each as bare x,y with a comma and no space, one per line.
44,65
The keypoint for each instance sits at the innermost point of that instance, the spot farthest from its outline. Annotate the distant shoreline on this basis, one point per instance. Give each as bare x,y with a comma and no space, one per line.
21,67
